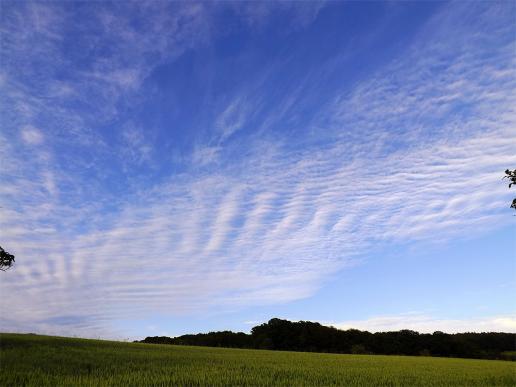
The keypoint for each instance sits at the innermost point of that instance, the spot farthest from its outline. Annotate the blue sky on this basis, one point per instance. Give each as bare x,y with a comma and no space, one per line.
173,167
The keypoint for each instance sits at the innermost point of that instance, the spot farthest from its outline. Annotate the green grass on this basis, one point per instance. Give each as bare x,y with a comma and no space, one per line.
53,361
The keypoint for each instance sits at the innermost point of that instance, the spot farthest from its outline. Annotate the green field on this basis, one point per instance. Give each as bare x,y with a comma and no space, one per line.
52,361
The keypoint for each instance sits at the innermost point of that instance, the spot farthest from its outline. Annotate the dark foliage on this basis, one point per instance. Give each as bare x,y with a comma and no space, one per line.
6,259
226,339
511,175
313,337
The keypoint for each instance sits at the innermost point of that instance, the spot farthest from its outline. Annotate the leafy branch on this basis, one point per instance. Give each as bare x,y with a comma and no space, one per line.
6,260
511,175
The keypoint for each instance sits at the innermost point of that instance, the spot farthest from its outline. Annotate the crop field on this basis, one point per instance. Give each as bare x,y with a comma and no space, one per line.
52,361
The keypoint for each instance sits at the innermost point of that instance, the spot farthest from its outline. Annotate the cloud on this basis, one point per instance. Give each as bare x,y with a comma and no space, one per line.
414,152
231,119
87,64
31,135
300,14
136,146
205,155
428,324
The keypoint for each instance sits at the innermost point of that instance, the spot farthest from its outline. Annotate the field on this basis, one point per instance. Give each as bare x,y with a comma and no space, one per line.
52,361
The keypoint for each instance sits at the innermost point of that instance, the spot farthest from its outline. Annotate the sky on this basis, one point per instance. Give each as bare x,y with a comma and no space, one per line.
184,167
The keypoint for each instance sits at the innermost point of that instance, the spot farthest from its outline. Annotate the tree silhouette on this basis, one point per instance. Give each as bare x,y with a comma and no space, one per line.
310,336
511,175
6,259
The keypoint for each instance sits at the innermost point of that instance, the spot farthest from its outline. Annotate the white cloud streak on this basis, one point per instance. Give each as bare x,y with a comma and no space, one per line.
31,135
428,324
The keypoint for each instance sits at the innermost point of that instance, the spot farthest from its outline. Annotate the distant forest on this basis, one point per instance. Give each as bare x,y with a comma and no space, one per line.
308,336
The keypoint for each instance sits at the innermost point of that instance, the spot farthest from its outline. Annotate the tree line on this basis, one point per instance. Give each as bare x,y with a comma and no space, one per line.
309,336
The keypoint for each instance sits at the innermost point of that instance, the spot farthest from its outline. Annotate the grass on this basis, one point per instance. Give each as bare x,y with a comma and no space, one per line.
54,361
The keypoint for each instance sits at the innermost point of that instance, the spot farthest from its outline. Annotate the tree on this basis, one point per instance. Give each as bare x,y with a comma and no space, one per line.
6,259
511,175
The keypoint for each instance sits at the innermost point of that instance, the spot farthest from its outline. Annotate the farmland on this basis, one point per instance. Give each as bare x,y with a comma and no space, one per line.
48,361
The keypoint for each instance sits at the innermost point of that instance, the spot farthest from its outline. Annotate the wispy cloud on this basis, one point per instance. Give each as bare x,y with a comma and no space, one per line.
415,152
258,14
31,135
231,119
428,324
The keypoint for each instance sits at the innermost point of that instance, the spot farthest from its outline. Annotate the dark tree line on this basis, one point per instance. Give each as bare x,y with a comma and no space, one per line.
313,337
